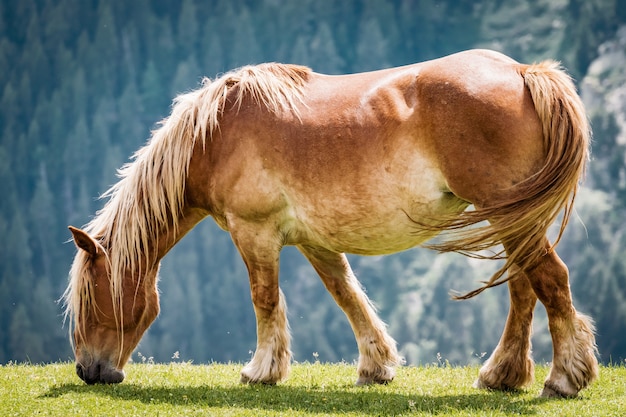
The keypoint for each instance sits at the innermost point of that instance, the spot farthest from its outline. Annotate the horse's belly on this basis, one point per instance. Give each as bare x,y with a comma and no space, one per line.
376,242
376,229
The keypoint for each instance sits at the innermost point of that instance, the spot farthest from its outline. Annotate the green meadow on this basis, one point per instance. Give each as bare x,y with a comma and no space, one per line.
313,389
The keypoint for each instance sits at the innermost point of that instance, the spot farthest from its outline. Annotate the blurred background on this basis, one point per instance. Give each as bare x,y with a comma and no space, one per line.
82,83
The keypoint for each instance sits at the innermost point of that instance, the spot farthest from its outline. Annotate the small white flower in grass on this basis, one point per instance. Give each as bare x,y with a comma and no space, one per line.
412,406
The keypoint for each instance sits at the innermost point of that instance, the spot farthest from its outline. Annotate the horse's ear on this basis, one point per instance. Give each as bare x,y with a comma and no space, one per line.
85,242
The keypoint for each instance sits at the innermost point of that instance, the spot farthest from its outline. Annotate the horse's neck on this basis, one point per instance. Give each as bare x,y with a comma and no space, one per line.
169,237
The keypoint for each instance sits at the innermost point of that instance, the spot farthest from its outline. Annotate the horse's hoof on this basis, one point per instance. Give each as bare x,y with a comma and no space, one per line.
479,384
246,380
552,391
371,381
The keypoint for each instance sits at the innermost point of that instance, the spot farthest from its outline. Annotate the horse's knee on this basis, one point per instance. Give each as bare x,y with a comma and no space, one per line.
265,298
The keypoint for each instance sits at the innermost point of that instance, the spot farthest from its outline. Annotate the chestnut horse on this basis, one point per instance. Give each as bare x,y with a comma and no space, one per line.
369,164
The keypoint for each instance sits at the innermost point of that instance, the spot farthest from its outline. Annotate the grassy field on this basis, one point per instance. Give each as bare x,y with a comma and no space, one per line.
183,389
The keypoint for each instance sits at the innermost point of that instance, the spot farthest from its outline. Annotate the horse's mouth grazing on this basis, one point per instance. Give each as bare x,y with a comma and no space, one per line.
99,373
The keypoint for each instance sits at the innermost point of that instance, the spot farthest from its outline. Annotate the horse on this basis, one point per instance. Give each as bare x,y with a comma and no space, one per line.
475,148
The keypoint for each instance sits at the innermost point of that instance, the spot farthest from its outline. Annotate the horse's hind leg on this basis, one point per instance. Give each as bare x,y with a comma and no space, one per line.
378,355
510,366
574,364
271,360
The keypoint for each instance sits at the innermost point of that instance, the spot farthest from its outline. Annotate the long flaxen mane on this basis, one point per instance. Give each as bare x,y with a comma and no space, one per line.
150,193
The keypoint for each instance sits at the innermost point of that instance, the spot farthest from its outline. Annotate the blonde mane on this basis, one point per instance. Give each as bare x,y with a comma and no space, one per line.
149,196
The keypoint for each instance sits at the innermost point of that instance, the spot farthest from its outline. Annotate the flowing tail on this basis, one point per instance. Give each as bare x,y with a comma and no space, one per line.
524,218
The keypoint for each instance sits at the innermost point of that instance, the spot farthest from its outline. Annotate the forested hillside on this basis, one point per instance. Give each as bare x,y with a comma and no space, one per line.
82,83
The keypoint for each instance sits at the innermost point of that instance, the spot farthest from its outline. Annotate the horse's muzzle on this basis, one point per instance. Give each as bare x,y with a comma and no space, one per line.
99,373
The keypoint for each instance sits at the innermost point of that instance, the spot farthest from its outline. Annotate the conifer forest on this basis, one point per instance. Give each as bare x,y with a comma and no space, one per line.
83,83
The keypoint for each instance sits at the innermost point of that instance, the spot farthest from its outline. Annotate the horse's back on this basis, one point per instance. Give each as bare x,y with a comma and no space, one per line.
366,153
461,112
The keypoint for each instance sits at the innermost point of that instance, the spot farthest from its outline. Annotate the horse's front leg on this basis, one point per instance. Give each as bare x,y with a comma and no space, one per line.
510,366
378,355
271,360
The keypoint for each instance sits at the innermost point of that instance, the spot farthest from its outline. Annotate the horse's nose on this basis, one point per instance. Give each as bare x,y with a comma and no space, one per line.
80,371
99,372
89,374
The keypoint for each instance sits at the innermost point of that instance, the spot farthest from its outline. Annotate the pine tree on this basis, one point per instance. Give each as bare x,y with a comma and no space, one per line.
187,30
245,49
372,47
106,62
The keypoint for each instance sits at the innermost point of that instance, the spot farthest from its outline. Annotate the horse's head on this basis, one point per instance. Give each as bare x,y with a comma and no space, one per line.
109,313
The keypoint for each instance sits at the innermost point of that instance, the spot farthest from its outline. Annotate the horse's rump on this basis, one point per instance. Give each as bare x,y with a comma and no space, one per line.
521,219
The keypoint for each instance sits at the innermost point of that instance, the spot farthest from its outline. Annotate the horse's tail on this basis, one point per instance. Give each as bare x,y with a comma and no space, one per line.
524,218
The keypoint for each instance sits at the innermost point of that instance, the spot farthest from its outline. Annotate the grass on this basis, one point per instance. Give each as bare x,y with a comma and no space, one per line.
183,389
